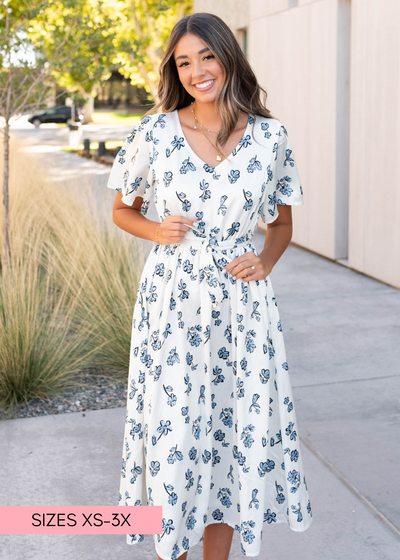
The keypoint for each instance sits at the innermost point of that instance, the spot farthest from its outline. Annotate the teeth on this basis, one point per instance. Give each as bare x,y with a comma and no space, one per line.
204,85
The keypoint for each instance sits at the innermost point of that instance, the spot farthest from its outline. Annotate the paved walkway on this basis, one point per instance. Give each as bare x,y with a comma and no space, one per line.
342,340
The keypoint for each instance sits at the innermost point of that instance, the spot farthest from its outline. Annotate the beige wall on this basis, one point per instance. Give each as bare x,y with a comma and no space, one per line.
298,49
331,70
374,202
234,13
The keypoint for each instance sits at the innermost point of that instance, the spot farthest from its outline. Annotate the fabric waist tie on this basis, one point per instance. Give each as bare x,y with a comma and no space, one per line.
212,259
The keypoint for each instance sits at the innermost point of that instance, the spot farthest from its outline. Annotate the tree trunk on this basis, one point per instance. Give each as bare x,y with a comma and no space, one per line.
88,107
6,229
73,113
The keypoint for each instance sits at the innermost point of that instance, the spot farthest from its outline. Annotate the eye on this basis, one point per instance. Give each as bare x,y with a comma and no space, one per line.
207,56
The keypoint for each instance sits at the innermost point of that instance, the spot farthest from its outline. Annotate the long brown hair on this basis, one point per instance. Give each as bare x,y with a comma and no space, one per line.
240,90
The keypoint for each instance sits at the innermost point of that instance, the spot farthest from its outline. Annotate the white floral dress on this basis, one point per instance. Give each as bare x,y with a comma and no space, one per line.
210,431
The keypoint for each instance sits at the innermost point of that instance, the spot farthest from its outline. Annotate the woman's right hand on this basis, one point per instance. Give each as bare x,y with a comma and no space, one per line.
173,229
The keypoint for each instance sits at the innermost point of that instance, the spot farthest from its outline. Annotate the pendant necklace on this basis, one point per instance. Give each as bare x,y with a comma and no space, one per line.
196,123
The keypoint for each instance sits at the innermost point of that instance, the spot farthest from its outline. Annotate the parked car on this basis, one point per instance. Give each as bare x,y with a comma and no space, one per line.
60,114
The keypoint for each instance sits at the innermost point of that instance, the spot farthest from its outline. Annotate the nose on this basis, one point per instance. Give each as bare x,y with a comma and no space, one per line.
197,71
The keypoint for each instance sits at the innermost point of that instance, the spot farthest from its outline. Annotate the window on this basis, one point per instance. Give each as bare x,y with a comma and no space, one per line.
242,39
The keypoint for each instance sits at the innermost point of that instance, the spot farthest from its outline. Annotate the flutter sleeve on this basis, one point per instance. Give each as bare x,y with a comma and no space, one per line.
282,182
131,173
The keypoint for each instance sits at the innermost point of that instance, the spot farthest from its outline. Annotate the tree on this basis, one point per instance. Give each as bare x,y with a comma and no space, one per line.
94,20
42,42
142,31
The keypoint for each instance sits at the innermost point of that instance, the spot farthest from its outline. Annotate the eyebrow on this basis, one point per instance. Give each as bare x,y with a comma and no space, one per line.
186,56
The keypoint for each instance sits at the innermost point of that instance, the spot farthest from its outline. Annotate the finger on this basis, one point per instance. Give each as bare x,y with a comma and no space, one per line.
247,275
250,278
231,265
180,227
184,219
246,260
245,272
191,228
177,229
238,266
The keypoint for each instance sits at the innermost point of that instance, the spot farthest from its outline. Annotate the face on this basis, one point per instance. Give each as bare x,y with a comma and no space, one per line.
197,66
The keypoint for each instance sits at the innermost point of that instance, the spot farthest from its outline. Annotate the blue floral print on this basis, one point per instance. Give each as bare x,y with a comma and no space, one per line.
211,432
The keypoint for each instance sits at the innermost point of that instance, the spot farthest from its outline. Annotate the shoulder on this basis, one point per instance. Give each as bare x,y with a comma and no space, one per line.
152,123
144,131
266,131
155,120
143,125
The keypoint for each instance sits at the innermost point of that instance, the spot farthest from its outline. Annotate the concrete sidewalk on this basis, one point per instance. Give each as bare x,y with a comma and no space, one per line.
342,341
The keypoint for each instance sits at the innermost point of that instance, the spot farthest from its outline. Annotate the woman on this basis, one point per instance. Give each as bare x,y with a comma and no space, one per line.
210,432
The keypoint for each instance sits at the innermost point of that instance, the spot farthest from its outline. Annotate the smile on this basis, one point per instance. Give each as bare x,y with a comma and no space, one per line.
204,85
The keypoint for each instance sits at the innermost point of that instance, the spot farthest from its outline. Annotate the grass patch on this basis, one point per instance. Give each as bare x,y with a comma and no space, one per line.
67,301
41,351
110,145
116,117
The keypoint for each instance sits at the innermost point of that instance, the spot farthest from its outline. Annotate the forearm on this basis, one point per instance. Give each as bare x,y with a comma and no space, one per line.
132,221
276,242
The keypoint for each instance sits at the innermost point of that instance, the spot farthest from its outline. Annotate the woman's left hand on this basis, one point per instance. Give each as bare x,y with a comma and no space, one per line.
248,267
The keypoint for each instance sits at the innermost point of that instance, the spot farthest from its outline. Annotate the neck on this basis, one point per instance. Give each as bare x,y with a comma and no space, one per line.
207,114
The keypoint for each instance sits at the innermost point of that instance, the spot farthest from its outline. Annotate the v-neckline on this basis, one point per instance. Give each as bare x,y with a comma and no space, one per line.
194,153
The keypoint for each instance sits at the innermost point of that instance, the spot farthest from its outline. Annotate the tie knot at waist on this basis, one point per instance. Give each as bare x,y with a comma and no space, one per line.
212,252
217,244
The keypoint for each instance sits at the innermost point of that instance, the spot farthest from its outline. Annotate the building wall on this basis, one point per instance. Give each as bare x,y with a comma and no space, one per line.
234,13
297,48
331,71
374,186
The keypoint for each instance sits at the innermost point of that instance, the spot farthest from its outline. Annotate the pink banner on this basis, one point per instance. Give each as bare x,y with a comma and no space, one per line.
81,520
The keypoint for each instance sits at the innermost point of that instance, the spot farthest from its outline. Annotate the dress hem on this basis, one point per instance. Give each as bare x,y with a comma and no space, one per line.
251,555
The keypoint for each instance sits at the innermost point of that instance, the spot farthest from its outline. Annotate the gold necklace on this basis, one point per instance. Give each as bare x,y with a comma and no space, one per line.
196,122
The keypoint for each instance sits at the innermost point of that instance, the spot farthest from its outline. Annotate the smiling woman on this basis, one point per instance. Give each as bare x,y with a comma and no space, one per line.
212,67
210,433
